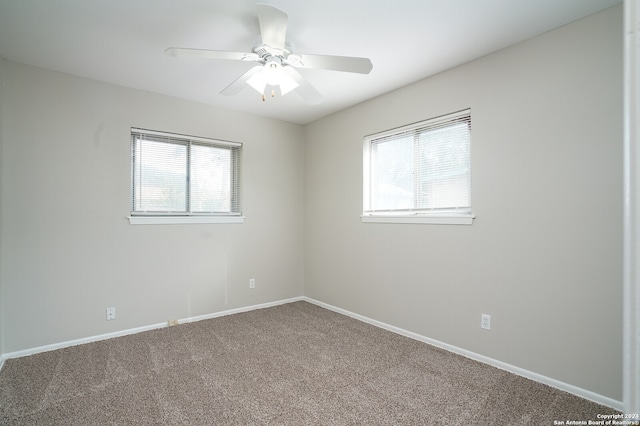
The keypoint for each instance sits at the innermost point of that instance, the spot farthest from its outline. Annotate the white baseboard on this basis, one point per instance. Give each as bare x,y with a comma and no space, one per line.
583,393
239,310
97,338
90,339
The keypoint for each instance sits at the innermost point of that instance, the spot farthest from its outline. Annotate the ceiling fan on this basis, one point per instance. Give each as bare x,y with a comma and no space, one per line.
277,60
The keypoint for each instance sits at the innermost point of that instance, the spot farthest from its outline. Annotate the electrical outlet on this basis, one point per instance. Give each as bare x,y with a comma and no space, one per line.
485,322
173,322
252,283
111,314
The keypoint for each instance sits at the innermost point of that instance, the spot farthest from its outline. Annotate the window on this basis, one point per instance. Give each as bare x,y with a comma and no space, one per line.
182,179
420,173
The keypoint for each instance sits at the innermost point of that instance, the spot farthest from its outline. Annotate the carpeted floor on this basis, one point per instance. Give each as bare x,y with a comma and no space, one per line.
294,364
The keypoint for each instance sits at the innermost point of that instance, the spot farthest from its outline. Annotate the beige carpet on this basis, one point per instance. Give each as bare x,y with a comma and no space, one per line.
295,364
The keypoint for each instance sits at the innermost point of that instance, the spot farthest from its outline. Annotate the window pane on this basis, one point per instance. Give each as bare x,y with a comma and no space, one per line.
392,174
443,174
160,176
210,179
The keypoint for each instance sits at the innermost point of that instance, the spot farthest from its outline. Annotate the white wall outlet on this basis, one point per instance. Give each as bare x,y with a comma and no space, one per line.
252,283
485,322
173,322
111,314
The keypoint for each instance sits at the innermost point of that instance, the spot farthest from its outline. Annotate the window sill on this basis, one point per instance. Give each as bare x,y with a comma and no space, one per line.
181,220
466,219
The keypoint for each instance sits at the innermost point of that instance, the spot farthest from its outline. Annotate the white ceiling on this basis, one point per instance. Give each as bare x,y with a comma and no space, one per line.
123,42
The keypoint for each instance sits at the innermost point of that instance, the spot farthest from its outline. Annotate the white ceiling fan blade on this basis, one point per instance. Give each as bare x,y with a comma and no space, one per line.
273,25
335,63
211,54
304,89
241,82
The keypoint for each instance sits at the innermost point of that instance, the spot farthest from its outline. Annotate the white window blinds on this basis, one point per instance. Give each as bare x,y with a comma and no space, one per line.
421,168
183,175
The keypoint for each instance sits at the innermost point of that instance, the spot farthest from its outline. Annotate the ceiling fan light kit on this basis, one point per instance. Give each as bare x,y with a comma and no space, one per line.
272,74
278,62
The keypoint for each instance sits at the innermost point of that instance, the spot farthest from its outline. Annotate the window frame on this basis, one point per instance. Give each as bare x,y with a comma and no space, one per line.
452,216
140,217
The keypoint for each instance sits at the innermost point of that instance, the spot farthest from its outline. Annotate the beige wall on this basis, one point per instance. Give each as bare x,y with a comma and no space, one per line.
543,257
68,251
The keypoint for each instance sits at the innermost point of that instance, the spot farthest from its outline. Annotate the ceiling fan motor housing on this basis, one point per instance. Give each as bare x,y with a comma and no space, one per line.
264,50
